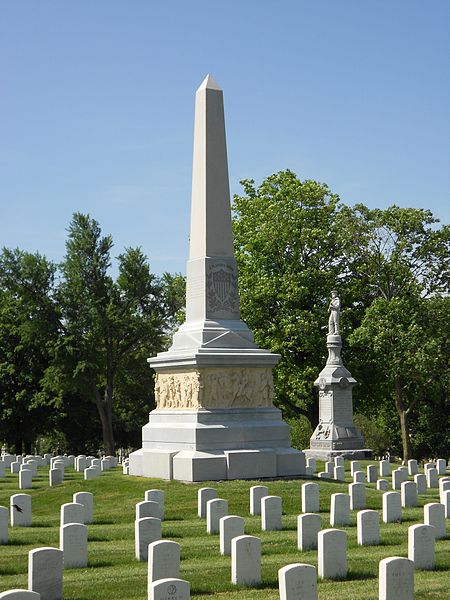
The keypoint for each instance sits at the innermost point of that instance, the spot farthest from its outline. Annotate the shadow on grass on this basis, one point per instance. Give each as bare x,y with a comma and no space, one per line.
100,563
9,571
41,525
97,538
358,575
103,522
173,519
171,534
19,543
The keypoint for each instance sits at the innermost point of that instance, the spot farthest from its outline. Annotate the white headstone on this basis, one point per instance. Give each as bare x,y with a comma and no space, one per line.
203,495
359,477
271,513
215,510
246,560
441,466
230,527
15,467
372,473
408,493
332,554
421,543
368,527
87,500
147,508
55,477
338,461
80,464
308,527
73,543
96,462
104,464
146,531
339,473
413,467
163,560
20,510
310,497
297,582
444,485
340,509
4,519
446,503
25,480
156,496
323,475
398,477
357,493
421,481
91,473
396,579
45,573
19,594
392,510
428,465
385,468
71,512
383,485
355,465
329,468
311,462
434,514
169,589
256,493
432,478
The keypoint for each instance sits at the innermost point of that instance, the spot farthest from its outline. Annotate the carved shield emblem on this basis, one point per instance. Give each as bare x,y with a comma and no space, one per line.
222,284
222,293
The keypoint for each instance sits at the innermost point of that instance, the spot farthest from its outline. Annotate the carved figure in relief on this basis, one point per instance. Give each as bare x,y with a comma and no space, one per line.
334,308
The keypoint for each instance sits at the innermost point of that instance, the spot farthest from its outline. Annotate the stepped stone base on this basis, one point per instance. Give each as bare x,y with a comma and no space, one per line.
326,455
216,444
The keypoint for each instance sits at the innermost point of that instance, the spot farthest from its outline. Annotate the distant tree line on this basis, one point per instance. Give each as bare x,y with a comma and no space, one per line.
74,343
74,340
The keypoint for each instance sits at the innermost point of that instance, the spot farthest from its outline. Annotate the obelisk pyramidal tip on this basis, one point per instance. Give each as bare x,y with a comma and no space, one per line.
209,83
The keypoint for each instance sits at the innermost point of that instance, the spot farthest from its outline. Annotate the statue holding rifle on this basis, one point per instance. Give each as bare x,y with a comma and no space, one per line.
334,308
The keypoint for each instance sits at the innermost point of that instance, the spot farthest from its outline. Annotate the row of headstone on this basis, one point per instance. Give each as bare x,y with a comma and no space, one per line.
395,580
149,515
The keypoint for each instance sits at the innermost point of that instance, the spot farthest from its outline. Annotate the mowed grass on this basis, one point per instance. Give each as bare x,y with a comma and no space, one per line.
113,572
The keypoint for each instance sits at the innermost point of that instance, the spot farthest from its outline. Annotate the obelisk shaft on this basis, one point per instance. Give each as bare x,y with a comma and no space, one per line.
211,233
212,288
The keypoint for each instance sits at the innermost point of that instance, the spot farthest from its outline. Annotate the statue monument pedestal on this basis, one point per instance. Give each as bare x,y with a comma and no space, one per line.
215,417
336,434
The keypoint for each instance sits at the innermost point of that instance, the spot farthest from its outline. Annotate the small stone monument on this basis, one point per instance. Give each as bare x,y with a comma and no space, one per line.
336,434
214,416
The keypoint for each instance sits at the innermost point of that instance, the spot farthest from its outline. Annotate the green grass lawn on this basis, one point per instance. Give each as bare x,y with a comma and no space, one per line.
113,572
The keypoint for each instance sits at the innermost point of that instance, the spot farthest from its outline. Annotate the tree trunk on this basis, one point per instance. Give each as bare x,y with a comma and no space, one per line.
104,407
404,420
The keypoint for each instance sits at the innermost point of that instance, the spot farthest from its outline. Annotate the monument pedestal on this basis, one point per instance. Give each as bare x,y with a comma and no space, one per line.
215,417
336,434
216,444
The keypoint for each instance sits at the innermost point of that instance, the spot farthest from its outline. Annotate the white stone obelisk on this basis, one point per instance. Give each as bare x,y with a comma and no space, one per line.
215,417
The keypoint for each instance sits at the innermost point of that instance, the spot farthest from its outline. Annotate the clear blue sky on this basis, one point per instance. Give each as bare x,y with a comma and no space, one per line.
97,100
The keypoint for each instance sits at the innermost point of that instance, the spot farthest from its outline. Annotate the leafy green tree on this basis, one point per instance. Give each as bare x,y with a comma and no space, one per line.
29,324
402,339
288,251
107,326
400,258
